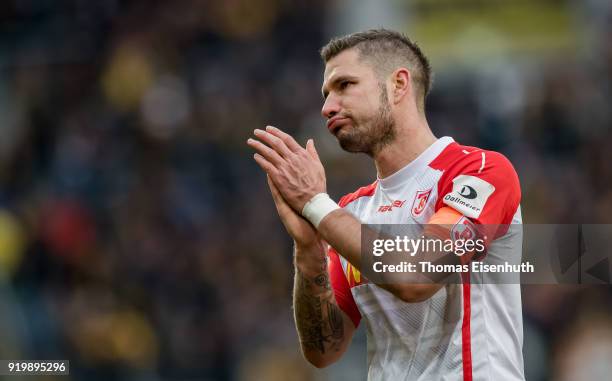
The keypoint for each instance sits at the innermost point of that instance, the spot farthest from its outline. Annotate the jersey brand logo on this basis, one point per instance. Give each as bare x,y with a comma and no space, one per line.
468,192
420,200
394,204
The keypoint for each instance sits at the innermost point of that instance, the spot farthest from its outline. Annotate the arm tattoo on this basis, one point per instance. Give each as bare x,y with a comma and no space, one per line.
322,280
318,318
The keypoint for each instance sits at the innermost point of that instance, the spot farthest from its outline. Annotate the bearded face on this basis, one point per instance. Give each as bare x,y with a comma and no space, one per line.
369,133
356,104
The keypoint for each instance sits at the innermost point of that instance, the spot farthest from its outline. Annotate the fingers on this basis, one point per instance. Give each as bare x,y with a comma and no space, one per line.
281,205
273,154
280,145
268,153
274,190
268,167
312,151
286,138
275,142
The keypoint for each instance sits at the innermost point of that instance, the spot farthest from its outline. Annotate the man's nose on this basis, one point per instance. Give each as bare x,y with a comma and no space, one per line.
331,106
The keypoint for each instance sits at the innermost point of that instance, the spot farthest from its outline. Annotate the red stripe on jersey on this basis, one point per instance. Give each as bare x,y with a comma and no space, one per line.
339,281
361,192
466,334
342,290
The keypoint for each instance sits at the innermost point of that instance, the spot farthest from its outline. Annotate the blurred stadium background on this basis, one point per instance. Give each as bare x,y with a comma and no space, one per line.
137,236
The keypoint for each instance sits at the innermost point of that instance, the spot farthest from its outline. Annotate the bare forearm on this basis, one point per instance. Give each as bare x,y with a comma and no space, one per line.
317,316
318,319
343,232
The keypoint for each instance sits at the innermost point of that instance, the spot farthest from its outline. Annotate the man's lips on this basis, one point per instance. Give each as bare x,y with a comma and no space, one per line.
336,122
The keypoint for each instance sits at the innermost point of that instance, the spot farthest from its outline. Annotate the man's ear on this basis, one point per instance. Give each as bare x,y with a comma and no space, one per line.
401,84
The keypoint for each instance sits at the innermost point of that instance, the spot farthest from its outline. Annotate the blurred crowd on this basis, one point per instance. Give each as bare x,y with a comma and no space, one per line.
137,236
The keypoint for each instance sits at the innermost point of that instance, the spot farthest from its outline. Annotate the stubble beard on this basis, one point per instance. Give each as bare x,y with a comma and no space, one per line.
372,135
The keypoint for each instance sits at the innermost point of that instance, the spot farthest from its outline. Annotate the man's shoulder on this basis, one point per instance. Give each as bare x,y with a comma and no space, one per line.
480,184
364,191
460,158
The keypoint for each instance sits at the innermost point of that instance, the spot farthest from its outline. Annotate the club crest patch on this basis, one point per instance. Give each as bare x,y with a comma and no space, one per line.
420,200
464,229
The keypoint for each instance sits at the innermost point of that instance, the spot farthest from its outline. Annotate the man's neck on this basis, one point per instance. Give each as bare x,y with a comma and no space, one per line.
407,146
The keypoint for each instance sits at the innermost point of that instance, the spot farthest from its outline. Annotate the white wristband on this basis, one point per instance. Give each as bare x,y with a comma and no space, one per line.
318,207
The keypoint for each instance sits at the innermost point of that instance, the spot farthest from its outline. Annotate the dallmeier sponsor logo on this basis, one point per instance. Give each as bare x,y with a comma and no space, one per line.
459,201
468,192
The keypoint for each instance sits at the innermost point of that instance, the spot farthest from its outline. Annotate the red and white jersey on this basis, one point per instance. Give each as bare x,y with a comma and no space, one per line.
468,331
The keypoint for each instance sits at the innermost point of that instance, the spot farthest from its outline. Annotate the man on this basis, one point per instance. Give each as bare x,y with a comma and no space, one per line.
374,86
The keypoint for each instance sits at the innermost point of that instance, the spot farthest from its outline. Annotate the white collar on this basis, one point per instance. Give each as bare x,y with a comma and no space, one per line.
426,157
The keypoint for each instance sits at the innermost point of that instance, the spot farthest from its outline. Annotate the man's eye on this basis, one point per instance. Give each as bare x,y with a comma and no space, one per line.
344,84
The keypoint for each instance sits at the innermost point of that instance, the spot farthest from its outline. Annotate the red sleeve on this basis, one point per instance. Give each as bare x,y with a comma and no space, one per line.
339,281
481,185
342,291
